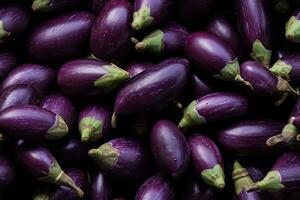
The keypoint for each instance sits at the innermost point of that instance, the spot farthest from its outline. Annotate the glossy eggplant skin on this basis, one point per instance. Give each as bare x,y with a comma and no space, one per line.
40,77
199,87
17,95
72,30
154,88
95,6
100,188
156,187
52,5
7,172
110,37
136,67
14,21
8,62
169,148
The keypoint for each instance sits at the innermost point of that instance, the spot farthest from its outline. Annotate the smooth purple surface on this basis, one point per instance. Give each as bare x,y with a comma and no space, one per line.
7,172
136,67
95,6
8,62
192,189
199,87
54,5
293,59
100,188
296,121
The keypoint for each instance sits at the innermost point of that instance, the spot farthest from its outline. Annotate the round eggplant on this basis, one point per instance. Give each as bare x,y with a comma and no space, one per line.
136,67
8,62
101,188
52,5
7,172
292,27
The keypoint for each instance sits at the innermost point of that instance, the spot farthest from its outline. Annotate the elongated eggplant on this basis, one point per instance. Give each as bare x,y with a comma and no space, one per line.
254,24
249,137
123,157
8,62
31,122
136,67
214,107
17,95
72,30
7,172
156,187
110,38
38,161
101,188
149,13
14,21
52,5
292,27
169,148
89,78
199,87
95,6
40,77
207,160
94,123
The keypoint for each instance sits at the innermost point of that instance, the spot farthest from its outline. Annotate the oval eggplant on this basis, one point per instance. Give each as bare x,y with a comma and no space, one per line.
52,5
214,107
169,148
156,187
207,160
199,87
7,172
89,78
8,62
110,37
136,67
101,188
95,6
72,30
31,122
292,27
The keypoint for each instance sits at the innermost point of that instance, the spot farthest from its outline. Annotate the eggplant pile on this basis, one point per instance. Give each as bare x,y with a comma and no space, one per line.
150,99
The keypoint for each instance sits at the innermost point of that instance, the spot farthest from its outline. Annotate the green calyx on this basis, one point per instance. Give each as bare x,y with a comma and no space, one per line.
284,87
230,71
90,129
40,5
272,182
241,178
214,176
282,69
152,43
288,135
292,29
3,32
261,54
191,117
58,129
142,18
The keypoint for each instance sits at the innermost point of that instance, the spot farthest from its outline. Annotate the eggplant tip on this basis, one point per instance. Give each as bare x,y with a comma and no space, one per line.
134,40
38,5
85,135
93,152
277,139
140,46
220,184
298,137
114,120
65,180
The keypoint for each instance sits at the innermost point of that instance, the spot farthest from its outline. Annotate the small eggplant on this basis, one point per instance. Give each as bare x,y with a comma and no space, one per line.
52,5
101,188
292,28
94,123
156,187
123,157
136,67
199,87
214,107
8,62
88,78
169,148
7,172
95,6
150,12
207,160
31,122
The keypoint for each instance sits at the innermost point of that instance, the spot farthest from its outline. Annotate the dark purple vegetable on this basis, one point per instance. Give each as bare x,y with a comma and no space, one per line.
110,38
61,38
94,123
136,67
207,160
123,158
150,12
31,122
292,27
214,107
101,188
52,5
88,78
8,62
40,77
169,148
156,187
17,95
255,28
7,172
95,6
199,87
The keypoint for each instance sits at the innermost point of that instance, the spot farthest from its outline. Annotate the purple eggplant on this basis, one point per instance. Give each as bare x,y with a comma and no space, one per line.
168,40
40,77
89,78
61,38
8,62
156,187
101,188
7,172
94,123
169,148
136,67
62,106
199,87
95,6
249,137
52,5
214,107
17,95
123,157
31,122
292,27
38,161
14,21
150,12
207,160
110,37
254,24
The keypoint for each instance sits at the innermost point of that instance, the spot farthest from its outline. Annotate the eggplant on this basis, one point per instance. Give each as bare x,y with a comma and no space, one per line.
89,78
31,122
150,12
101,188
207,160
14,21
254,23
213,107
52,5
62,106
248,138
110,37
17,95
199,87
136,67
94,123
95,6
7,172
167,40
157,187
292,27
169,148
61,38
8,62
124,158
37,160
40,77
